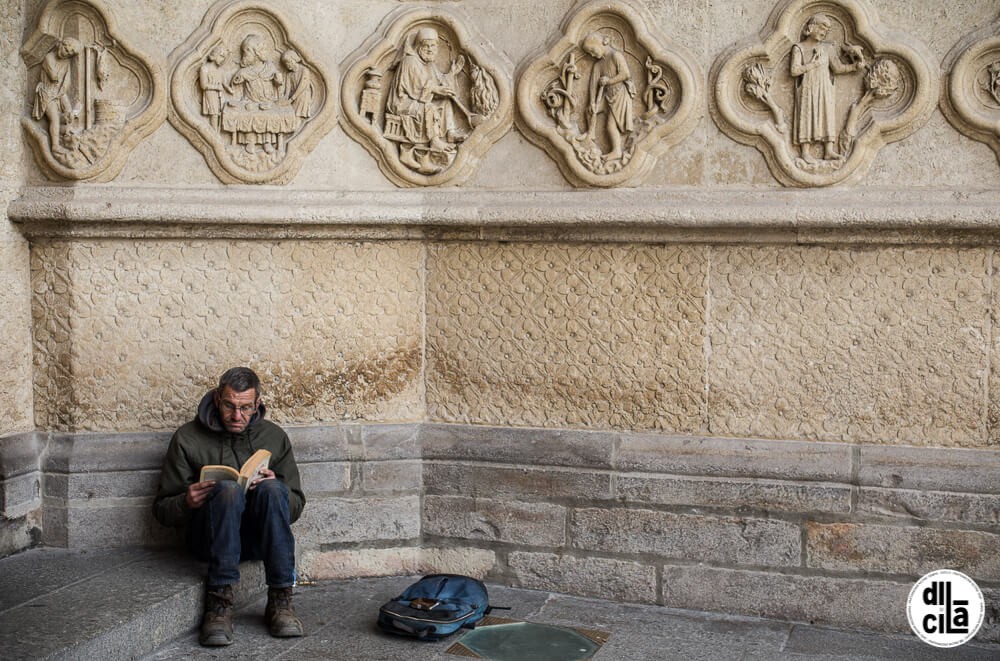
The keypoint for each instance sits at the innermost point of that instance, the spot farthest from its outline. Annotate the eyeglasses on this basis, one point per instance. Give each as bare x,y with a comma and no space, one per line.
245,411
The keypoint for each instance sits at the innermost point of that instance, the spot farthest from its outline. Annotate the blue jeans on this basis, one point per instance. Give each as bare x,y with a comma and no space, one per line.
231,527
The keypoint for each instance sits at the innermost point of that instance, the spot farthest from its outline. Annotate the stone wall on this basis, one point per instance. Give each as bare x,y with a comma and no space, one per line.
20,494
706,361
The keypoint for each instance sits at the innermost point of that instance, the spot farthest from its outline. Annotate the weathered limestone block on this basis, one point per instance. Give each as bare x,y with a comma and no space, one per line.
427,96
735,457
972,87
323,478
851,603
104,524
549,447
598,336
603,578
248,95
909,551
886,346
734,495
967,508
94,96
392,476
373,519
98,490
518,482
930,469
406,561
608,94
822,89
537,524
20,474
127,334
720,540
15,331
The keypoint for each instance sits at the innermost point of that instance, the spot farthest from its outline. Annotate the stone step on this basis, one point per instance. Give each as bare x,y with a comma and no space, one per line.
102,604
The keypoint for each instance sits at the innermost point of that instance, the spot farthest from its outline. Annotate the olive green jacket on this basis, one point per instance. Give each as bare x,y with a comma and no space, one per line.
204,441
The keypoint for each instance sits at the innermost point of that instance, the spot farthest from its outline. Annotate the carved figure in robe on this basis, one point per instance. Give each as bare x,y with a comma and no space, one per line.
212,80
611,91
261,83
300,86
422,100
814,64
52,92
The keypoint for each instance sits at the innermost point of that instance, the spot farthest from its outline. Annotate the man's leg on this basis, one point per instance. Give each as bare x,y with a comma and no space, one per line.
213,535
267,535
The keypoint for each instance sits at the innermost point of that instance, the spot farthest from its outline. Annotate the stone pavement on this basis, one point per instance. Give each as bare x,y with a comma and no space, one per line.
140,604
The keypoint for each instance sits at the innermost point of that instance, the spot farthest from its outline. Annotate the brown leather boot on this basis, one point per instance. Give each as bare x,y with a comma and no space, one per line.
217,623
280,615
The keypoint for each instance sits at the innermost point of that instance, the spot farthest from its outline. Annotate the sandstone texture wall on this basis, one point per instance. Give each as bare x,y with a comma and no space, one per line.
617,302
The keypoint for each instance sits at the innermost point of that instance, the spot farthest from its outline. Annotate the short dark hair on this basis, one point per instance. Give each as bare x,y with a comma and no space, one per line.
240,379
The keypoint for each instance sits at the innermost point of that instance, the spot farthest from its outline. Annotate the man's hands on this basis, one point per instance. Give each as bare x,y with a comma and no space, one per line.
264,474
198,493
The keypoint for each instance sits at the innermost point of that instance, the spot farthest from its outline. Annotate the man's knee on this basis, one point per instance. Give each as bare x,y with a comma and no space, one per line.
227,492
271,489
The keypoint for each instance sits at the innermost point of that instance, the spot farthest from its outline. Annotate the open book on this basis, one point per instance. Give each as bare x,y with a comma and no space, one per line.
245,476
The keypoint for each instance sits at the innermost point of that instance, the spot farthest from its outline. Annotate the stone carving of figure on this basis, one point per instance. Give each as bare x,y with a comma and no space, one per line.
262,84
993,86
52,92
370,101
814,63
611,91
300,86
423,99
212,80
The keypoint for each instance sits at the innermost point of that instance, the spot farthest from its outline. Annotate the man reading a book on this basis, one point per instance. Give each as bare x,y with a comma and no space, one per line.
226,521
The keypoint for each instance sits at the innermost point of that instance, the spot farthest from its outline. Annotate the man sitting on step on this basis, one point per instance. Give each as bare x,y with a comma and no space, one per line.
224,522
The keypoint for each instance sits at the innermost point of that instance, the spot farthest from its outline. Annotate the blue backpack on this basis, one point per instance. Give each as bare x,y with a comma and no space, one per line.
436,606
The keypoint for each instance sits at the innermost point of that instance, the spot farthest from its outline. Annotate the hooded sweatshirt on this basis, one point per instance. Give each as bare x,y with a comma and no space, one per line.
205,441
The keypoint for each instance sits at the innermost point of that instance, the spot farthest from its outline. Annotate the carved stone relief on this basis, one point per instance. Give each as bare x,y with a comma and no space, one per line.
605,96
426,97
972,97
248,96
129,334
822,91
575,335
93,96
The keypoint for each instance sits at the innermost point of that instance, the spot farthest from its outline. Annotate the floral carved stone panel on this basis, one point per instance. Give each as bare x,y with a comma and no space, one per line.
426,97
972,99
93,97
605,96
822,91
248,97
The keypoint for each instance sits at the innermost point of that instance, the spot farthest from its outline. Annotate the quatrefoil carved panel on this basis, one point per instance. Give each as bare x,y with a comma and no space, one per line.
248,96
94,97
972,99
427,97
823,90
605,98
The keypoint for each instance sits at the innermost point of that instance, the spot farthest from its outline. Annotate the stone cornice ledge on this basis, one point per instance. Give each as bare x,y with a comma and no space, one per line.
869,216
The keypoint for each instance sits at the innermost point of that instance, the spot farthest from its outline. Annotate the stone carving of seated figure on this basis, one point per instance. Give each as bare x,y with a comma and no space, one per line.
255,117
420,110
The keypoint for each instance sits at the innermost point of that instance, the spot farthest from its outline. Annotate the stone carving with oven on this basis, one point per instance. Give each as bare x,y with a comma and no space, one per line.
605,96
247,97
93,98
972,101
424,101
822,92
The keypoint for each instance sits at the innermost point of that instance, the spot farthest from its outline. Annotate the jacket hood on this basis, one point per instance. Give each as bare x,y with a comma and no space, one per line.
208,413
